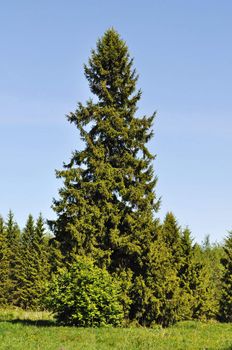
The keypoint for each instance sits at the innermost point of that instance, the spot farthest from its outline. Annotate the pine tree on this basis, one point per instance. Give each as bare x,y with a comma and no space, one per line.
226,297
106,205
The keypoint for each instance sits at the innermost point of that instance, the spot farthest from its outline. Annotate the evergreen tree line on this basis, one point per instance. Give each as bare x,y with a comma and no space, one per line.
188,280
24,262
107,226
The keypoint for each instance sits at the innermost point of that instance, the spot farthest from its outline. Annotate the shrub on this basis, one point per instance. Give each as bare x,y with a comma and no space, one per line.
85,296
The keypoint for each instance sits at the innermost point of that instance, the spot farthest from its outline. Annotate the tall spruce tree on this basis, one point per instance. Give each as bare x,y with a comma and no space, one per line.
106,205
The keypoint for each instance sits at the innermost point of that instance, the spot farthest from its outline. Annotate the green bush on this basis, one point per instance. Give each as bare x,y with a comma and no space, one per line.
85,296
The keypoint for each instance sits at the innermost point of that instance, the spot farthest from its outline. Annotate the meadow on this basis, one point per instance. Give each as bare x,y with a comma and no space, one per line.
20,330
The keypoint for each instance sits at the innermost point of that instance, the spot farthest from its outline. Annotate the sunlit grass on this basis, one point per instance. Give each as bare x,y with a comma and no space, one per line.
20,330
7,314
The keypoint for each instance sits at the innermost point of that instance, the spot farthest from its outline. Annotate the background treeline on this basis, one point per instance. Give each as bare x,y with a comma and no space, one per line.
24,262
189,281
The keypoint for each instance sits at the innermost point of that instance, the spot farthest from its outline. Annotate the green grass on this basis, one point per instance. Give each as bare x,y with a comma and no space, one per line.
21,330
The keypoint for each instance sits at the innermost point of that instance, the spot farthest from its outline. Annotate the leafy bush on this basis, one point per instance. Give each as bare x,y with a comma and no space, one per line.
85,296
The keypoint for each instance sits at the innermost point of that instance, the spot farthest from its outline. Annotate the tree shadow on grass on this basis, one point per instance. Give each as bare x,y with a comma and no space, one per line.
37,323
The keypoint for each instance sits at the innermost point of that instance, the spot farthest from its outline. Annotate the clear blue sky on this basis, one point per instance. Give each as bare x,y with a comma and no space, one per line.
183,54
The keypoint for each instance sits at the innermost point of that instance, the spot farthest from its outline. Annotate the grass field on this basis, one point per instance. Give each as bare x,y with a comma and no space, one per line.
37,331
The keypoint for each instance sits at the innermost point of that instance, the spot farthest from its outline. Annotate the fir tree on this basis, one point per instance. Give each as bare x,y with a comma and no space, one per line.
41,256
186,273
163,306
106,205
226,297
168,301
26,272
12,237
171,235
32,269
205,303
193,279
4,264
211,257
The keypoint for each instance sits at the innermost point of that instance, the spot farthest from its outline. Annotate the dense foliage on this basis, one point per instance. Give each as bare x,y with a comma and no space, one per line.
85,295
195,288
107,228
